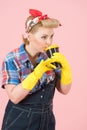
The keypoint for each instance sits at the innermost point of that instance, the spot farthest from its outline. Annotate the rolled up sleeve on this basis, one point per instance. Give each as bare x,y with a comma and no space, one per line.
9,74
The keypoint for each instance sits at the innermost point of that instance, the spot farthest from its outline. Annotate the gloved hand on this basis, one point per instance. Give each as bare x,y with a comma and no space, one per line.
66,76
31,80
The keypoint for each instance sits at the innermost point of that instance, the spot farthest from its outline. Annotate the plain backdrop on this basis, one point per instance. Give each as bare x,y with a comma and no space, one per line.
71,109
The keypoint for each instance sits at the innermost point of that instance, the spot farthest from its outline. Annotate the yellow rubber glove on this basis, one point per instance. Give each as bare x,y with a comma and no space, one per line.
66,75
31,80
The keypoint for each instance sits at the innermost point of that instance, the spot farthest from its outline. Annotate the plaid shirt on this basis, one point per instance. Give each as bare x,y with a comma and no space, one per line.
17,66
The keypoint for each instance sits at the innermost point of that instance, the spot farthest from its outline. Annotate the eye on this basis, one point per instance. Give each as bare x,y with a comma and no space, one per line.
52,36
44,37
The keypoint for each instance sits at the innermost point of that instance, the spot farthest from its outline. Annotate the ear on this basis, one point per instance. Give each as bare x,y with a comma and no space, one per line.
29,36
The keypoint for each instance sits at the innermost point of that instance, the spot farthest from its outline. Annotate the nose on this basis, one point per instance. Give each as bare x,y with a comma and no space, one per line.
49,42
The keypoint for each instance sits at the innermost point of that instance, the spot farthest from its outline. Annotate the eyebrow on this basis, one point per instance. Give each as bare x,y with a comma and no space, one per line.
47,35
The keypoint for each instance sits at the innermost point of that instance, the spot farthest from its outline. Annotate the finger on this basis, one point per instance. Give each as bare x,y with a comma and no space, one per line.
50,60
51,66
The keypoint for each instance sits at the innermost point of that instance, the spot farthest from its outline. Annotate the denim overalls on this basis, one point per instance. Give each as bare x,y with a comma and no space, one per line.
35,112
37,115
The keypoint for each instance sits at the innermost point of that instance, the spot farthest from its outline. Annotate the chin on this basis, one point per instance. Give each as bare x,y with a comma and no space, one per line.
42,51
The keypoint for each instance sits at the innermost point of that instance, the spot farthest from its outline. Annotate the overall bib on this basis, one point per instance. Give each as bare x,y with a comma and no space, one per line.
35,112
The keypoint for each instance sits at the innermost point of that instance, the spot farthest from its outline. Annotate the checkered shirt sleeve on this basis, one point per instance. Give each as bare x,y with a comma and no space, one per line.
9,74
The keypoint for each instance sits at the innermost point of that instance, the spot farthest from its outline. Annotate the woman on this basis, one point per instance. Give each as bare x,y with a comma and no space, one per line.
30,77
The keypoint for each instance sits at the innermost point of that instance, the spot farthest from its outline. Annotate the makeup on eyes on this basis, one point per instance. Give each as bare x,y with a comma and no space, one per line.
46,36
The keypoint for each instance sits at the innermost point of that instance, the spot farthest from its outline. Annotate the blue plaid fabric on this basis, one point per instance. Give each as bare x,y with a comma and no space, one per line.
17,66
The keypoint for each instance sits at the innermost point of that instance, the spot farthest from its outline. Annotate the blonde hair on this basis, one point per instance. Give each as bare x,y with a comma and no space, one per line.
48,23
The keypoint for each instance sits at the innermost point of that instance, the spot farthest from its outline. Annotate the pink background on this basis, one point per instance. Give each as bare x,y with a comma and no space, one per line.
70,110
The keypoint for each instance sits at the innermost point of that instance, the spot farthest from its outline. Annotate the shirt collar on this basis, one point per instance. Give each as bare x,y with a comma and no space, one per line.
24,55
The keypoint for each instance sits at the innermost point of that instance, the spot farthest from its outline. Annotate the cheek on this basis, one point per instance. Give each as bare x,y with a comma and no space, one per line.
40,43
37,44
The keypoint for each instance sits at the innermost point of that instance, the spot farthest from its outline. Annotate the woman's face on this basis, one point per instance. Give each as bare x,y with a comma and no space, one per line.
41,39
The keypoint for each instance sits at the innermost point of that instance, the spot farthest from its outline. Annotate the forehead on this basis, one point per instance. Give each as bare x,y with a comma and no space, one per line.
45,31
